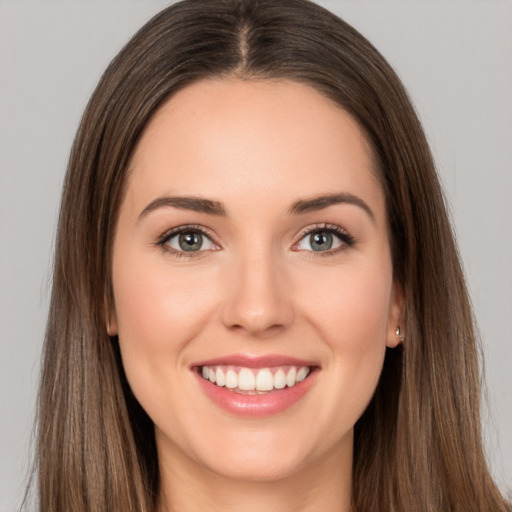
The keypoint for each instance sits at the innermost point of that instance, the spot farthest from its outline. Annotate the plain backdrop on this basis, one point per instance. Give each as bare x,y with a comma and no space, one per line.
455,57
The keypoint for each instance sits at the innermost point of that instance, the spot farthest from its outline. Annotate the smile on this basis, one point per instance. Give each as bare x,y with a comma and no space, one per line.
250,386
255,381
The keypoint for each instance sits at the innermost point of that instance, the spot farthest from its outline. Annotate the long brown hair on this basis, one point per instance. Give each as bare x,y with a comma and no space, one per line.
418,445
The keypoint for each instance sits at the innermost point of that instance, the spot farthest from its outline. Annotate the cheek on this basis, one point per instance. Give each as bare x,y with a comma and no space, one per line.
158,312
155,305
353,305
352,317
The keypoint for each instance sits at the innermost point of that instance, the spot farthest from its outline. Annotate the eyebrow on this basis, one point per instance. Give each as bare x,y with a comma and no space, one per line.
320,202
196,204
300,207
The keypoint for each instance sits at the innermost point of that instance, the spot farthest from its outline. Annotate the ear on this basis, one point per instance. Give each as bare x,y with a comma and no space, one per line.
110,318
396,316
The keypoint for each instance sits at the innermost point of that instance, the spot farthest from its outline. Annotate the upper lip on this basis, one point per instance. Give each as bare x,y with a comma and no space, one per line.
251,361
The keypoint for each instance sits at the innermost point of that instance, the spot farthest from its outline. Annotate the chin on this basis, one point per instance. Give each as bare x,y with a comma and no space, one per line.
257,466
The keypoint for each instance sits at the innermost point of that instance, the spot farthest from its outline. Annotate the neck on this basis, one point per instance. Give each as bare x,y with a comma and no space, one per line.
323,485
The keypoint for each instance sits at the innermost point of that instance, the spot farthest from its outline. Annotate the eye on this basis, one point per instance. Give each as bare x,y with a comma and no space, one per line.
187,240
319,241
325,239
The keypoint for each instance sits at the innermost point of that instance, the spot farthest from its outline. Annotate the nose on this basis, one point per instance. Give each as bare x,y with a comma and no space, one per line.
259,302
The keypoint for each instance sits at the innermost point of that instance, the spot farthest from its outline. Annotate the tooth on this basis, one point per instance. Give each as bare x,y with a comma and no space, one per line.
246,380
264,380
291,376
220,378
279,379
302,374
231,379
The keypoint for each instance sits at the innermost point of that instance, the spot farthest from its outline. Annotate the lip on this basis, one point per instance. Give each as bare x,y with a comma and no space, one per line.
254,406
250,361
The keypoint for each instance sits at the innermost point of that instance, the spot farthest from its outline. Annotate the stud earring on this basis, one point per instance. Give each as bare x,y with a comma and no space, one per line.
109,330
398,333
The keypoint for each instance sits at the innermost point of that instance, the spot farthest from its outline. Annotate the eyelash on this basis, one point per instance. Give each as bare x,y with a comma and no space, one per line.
346,239
165,237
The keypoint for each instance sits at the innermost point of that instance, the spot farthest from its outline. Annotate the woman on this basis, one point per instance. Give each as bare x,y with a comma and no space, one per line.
257,300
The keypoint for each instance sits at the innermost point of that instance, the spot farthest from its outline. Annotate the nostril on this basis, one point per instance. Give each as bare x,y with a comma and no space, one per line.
255,330
257,303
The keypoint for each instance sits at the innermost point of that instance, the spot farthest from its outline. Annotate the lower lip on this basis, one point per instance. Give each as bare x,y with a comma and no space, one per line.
268,404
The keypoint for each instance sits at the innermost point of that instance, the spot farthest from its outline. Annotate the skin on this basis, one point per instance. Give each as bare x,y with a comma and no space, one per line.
258,288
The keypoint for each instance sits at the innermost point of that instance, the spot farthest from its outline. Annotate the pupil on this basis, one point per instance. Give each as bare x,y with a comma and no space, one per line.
190,241
321,241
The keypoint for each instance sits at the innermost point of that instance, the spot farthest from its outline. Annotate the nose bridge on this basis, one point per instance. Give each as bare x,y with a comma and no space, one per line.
258,301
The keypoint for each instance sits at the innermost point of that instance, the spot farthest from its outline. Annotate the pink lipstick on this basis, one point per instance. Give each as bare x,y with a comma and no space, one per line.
255,386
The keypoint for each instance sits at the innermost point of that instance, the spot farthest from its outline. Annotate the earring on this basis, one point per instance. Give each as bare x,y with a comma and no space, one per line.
398,333
109,330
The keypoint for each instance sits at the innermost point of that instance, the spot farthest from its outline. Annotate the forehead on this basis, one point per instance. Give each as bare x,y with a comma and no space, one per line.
230,138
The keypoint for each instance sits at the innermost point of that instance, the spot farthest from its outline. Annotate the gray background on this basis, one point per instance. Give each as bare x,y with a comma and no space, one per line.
455,57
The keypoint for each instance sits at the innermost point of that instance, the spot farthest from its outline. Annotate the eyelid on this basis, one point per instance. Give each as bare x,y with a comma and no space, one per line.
346,238
170,233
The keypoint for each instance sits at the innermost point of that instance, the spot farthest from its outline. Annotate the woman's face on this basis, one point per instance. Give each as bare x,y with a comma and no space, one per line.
252,248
